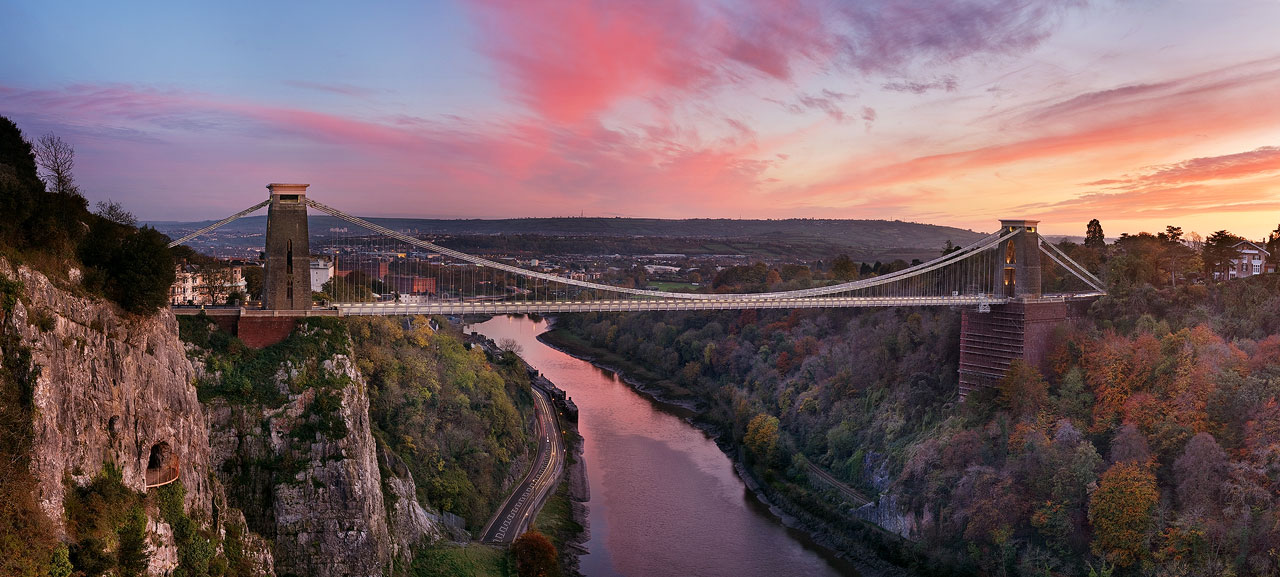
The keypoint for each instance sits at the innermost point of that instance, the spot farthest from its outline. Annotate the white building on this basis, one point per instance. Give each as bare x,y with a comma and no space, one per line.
321,272
1252,260
193,285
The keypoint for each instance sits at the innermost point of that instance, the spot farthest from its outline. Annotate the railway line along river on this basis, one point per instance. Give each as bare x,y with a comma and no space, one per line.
664,499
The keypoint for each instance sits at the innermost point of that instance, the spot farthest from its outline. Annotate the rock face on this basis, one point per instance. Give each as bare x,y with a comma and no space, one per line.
317,496
110,389
408,521
300,484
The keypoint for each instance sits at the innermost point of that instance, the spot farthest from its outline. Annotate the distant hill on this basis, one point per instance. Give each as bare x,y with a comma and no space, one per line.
789,238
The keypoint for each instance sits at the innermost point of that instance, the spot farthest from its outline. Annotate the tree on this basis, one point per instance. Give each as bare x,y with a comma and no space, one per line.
218,282
1121,512
253,281
132,556
1218,253
1199,473
141,272
535,556
56,158
1273,247
1093,237
1022,390
115,212
949,248
844,269
762,436
1129,446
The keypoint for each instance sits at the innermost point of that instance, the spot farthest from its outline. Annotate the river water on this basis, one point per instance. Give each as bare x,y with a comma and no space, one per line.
664,499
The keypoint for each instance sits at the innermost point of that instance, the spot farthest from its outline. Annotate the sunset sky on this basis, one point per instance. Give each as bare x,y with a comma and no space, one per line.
1138,113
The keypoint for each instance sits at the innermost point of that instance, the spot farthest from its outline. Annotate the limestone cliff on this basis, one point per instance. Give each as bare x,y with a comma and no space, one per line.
298,484
305,470
111,388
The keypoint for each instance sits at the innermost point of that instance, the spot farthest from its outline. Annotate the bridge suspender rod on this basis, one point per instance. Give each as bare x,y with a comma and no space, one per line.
215,225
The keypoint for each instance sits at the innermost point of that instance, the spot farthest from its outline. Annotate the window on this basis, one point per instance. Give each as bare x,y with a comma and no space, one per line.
1010,253
1257,268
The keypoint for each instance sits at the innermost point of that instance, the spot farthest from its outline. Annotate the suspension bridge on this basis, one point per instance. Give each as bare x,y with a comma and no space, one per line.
996,281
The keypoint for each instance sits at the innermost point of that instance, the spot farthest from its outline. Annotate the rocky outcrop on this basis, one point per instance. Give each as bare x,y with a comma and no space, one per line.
110,388
319,499
410,524
300,487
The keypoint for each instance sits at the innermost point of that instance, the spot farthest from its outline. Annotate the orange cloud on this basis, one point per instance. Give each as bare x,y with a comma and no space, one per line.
1111,131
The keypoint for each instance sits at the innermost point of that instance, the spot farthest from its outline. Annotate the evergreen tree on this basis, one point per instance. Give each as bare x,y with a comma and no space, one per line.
1219,250
141,272
1093,237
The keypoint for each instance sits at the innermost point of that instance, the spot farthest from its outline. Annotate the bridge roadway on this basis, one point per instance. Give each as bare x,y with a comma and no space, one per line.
635,305
514,516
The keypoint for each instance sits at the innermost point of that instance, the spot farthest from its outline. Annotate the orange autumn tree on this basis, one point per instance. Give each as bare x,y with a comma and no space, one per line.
1121,510
535,556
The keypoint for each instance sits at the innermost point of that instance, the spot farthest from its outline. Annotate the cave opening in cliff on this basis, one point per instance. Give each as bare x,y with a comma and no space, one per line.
162,465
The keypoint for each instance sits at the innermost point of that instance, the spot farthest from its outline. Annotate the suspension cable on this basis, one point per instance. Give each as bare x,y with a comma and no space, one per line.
220,223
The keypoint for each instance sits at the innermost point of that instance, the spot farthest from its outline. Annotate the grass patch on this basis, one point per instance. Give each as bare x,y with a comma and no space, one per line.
248,375
555,520
670,286
460,561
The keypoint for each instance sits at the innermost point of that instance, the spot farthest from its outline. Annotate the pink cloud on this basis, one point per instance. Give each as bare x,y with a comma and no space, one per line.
572,61
451,166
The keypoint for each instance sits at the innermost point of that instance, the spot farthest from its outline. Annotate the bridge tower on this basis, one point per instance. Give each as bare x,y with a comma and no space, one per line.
1018,263
1022,328
287,278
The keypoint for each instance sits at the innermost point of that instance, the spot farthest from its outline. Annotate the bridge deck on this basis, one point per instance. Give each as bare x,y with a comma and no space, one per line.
633,305
623,305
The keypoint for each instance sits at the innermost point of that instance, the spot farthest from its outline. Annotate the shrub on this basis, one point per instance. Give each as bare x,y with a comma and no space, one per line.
535,556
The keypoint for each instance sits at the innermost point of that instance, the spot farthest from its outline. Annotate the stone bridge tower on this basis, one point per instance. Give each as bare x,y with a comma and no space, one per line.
287,278
1022,328
1018,260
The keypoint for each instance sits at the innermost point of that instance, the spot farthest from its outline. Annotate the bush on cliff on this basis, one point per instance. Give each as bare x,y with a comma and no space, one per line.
40,227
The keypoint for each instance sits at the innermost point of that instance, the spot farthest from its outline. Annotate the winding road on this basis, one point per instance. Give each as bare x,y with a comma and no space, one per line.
515,515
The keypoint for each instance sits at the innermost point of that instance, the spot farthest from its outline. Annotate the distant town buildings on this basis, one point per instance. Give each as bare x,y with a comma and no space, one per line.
411,284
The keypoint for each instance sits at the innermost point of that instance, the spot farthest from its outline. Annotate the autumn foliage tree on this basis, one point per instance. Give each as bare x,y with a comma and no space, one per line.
1121,512
535,556
762,436
1022,390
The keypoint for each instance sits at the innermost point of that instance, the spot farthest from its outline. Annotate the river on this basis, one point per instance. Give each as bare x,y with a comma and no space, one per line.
664,499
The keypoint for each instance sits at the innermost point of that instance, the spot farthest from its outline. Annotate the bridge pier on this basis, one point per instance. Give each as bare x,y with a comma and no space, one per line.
990,341
1021,329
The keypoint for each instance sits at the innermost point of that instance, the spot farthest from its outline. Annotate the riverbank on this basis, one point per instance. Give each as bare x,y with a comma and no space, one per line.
636,376
562,517
860,543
